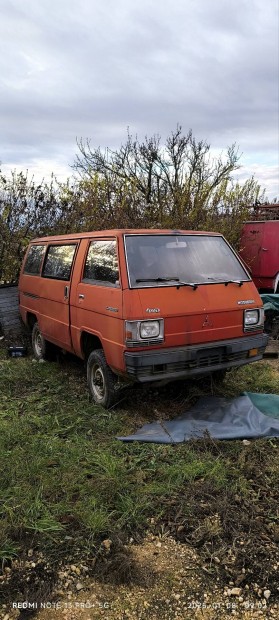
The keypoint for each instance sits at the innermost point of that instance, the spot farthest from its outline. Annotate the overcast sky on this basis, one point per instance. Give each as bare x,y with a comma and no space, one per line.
91,68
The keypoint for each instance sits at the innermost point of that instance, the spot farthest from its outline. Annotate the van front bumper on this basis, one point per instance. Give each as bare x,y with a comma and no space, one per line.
182,362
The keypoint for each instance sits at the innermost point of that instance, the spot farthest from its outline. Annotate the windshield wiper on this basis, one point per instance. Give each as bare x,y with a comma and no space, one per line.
226,282
157,280
179,282
239,282
193,285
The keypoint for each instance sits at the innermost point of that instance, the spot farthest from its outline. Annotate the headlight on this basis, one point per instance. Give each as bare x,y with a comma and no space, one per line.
144,332
149,329
253,318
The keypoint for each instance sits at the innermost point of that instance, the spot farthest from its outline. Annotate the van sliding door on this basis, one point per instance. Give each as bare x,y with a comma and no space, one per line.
55,293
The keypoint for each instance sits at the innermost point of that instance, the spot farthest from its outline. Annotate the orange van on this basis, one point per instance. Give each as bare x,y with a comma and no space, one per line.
142,305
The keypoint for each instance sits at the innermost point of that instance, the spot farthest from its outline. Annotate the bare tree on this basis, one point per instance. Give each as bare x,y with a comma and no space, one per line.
172,180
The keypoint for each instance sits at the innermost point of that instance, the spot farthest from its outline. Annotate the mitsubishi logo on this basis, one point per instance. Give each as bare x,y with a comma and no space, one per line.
207,322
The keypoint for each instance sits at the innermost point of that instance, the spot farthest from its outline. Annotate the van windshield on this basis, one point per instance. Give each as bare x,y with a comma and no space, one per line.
165,260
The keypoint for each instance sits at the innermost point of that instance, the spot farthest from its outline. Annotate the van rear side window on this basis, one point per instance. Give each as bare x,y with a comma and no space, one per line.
59,260
34,260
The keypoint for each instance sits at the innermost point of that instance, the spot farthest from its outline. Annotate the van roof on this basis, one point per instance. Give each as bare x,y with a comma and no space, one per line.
118,232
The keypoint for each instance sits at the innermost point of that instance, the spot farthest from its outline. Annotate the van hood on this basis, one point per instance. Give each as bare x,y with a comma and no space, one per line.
209,313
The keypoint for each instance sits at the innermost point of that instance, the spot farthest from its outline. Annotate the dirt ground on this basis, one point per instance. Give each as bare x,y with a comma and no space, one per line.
171,584
272,348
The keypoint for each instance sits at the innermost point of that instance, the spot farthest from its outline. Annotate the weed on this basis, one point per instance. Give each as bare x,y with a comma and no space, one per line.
66,482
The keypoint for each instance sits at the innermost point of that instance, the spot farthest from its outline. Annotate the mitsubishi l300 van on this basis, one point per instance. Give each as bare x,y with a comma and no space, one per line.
141,305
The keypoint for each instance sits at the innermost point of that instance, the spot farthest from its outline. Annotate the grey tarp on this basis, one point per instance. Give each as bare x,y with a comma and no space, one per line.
249,415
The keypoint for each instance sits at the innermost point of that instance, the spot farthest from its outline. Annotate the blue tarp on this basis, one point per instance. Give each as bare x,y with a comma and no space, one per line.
248,416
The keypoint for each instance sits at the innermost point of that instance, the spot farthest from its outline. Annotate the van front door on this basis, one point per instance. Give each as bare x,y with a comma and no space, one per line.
96,299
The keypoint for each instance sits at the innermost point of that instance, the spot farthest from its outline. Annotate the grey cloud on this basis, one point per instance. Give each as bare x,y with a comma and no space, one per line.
91,69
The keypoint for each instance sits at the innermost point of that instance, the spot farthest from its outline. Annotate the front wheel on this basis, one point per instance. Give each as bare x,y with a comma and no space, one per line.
101,380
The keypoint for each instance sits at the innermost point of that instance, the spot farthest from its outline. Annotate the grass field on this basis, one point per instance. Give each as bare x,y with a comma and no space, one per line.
67,483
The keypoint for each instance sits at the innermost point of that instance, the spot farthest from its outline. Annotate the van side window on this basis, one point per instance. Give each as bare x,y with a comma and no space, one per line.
34,259
59,261
101,263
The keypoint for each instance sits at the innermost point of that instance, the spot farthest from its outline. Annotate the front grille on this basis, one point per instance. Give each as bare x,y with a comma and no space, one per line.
221,358
131,344
206,359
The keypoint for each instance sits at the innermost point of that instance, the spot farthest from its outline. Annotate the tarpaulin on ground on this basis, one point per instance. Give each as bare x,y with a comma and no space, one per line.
249,415
270,302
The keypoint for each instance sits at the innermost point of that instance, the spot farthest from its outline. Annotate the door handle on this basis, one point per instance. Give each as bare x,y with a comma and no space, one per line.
66,292
81,296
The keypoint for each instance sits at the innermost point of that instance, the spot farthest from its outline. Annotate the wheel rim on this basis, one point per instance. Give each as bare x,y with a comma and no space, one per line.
98,382
38,344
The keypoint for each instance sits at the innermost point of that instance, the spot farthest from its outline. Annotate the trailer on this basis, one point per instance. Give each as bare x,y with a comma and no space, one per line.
259,249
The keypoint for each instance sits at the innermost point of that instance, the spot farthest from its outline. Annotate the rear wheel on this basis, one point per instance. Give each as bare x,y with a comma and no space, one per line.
42,349
101,380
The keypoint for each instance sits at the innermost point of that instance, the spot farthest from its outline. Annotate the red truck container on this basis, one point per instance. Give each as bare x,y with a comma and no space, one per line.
259,249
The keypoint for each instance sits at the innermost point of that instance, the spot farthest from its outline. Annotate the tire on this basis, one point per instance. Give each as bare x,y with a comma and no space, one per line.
101,380
42,349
